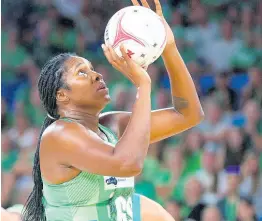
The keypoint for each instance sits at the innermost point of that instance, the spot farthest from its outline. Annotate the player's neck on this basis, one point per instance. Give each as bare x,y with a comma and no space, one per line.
88,119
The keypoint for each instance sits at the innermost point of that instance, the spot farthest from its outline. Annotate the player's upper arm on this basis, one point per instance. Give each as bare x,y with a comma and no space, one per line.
164,123
83,149
167,122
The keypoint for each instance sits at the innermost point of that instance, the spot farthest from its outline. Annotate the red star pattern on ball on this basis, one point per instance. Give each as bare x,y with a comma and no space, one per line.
130,53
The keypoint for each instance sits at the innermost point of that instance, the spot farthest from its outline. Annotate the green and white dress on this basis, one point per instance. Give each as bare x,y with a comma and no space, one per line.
91,197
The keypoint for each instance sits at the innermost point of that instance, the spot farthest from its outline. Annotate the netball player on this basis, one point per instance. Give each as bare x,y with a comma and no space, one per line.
82,170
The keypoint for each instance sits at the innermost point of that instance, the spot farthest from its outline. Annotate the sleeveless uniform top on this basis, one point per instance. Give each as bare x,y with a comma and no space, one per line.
90,197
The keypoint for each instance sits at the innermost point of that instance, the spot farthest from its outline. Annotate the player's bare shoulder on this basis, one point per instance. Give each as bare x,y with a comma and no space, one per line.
61,133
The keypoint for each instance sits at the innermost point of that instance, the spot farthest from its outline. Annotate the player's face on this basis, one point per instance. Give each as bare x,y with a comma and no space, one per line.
86,87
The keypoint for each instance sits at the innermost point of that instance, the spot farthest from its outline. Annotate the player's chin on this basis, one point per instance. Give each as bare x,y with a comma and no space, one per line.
103,97
107,98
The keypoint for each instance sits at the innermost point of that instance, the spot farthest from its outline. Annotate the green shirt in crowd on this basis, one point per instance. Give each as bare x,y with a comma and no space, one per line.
8,160
11,59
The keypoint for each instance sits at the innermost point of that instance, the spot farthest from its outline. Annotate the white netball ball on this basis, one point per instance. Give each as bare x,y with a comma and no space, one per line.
140,30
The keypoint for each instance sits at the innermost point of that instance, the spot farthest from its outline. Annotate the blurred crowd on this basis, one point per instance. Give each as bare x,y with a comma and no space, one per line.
211,172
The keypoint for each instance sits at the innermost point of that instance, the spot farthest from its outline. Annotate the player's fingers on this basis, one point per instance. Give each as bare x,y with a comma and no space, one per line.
158,8
107,54
114,56
135,2
145,4
120,66
119,60
145,67
125,55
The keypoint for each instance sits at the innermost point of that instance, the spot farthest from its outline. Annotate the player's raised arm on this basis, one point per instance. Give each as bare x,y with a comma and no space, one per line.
186,111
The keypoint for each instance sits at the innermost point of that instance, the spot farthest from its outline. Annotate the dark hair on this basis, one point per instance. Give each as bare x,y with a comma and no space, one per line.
49,82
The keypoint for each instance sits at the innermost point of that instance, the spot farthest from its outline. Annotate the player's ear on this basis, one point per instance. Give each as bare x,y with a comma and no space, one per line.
61,96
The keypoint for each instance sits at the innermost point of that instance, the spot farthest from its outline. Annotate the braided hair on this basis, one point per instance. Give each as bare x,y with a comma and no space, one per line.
50,81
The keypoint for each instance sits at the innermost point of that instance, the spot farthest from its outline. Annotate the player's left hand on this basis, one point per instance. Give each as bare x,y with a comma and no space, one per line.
169,32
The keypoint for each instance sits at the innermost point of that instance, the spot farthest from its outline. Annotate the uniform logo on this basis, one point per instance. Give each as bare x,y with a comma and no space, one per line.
111,180
112,183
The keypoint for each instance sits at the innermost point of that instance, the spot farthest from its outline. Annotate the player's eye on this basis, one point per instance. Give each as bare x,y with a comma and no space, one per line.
81,73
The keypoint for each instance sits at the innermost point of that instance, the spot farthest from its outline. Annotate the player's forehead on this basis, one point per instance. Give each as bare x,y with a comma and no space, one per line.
74,62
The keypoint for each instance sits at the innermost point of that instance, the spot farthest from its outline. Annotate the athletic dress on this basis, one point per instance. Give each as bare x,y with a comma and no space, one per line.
91,197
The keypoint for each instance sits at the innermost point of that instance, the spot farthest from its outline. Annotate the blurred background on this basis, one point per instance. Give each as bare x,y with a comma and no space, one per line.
211,172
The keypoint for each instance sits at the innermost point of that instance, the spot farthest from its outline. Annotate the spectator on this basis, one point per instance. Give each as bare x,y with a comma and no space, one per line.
22,190
41,51
193,194
245,210
224,49
120,97
191,146
176,23
247,19
228,205
211,213
258,45
174,207
246,57
214,126
170,176
257,199
250,175
152,162
15,56
21,134
203,34
69,8
10,155
161,99
6,117
208,176
159,95
184,43
234,147
145,187
226,96
176,165
63,36
85,24
253,126
254,90
29,102
233,14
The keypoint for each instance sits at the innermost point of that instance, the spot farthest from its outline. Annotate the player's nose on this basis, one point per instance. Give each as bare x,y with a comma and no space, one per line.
96,77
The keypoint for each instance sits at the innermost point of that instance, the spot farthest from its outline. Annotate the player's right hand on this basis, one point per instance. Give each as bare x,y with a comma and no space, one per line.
126,66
